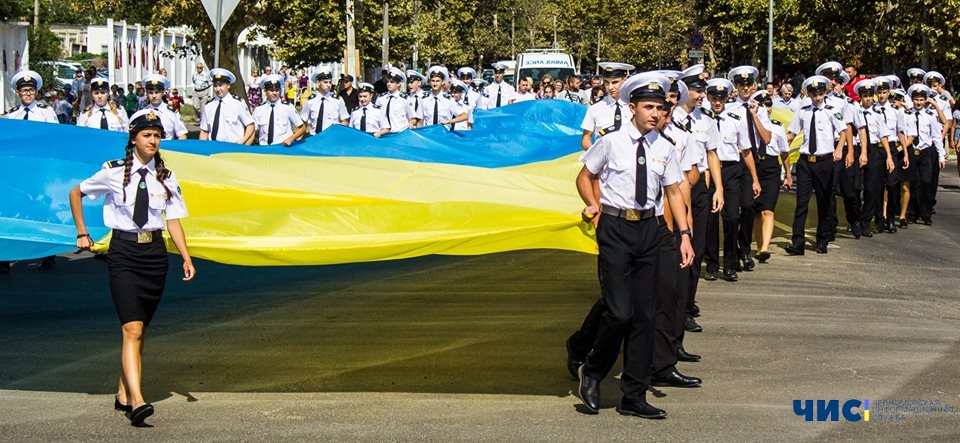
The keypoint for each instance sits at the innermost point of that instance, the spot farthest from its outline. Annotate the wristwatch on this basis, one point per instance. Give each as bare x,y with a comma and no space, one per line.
686,232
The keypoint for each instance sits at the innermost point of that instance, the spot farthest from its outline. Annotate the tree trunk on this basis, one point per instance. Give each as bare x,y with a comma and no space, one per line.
229,59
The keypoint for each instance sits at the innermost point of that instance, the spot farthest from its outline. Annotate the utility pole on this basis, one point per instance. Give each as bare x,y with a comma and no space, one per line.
513,30
36,13
555,45
770,42
386,33
598,51
416,32
216,37
348,60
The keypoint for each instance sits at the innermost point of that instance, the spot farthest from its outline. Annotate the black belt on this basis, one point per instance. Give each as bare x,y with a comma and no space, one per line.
816,158
629,214
730,163
139,237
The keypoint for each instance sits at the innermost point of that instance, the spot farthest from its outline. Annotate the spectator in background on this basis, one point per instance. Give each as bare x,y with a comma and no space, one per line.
63,108
850,87
253,89
349,94
304,84
84,97
116,94
175,100
597,94
130,100
523,91
548,92
201,88
771,90
166,92
786,100
291,92
77,81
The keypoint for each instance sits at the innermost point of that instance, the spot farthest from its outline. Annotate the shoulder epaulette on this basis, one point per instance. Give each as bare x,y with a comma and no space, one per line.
708,112
607,130
776,122
484,93
445,95
807,107
850,100
376,106
826,106
14,109
425,94
88,108
668,138
403,95
235,97
944,97
42,105
170,108
731,100
211,99
681,127
384,93
733,116
114,164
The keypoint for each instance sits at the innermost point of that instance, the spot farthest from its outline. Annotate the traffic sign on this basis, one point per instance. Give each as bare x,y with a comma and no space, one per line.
693,53
696,40
225,7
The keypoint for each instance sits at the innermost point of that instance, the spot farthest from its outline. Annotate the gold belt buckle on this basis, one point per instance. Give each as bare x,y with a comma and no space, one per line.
812,158
145,237
916,152
633,215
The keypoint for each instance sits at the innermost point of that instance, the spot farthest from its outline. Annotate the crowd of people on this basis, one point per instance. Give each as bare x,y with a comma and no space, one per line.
670,159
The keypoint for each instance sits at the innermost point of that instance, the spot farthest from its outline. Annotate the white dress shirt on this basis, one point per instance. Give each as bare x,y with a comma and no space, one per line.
118,211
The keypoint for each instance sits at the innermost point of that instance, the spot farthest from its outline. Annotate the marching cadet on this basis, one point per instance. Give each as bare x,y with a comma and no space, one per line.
768,172
874,142
896,124
324,110
369,117
744,79
636,169
822,146
915,75
26,84
225,118
700,122
458,91
483,101
142,198
393,103
438,107
846,172
910,157
103,113
928,147
415,96
736,159
277,122
609,114
471,96
500,92
155,85
935,81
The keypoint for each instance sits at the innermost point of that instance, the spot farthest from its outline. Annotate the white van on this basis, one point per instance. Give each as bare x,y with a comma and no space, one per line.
536,62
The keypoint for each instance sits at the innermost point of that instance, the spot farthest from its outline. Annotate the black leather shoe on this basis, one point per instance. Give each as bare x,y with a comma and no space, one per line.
730,275
642,410
676,380
47,263
573,361
867,232
691,325
822,248
903,223
856,230
794,250
763,256
748,263
683,355
137,416
892,226
710,276
120,406
589,391
927,221
695,312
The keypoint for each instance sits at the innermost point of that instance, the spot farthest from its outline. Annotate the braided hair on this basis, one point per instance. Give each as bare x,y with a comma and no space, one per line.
162,172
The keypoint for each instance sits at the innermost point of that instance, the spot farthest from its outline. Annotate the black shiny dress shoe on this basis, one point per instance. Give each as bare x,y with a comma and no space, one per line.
927,221
589,391
120,406
730,275
642,410
856,230
763,256
691,325
573,361
710,276
892,226
695,312
137,416
794,250
903,223
866,230
677,380
748,263
822,248
683,355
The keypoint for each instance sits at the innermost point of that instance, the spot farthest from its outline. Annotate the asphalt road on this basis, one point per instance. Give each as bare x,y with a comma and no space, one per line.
471,348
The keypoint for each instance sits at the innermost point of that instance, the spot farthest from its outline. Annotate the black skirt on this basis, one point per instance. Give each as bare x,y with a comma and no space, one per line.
138,272
768,173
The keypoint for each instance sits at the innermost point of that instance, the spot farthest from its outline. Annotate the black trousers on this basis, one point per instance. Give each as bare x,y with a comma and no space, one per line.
671,305
813,179
747,211
874,182
850,186
711,251
893,183
732,176
701,202
628,267
927,162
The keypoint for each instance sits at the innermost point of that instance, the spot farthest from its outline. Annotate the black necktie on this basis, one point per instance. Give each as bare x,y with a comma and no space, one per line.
216,121
916,143
270,128
436,110
389,99
363,120
498,95
812,144
617,117
752,130
641,174
319,129
26,113
103,118
416,103
689,121
143,200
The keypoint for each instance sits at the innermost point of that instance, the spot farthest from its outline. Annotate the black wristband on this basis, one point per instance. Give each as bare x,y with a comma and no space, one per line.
686,232
83,235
